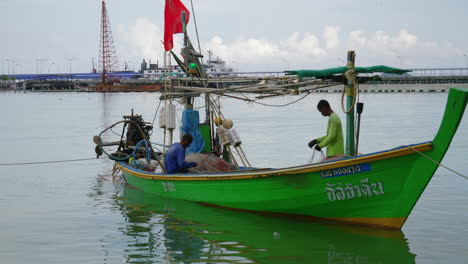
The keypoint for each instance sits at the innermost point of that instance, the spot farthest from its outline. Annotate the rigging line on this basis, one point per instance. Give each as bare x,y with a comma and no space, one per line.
283,105
156,113
196,28
438,163
308,93
44,162
305,90
115,132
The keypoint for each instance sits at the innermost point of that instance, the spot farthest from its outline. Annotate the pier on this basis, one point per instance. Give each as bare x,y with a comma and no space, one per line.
418,80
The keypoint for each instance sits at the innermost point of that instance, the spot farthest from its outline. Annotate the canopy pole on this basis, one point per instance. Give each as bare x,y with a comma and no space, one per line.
350,90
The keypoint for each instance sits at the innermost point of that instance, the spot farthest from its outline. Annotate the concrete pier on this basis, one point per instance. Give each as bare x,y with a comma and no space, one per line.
398,88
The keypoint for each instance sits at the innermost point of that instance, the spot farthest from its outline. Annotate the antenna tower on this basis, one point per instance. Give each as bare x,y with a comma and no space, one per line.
107,56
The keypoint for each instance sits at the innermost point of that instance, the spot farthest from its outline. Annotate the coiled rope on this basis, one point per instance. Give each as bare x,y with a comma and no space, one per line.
147,153
355,93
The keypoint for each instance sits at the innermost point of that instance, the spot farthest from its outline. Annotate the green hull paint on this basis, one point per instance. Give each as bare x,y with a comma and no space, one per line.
390,189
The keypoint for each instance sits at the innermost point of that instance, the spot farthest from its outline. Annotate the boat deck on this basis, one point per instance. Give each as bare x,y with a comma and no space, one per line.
259,173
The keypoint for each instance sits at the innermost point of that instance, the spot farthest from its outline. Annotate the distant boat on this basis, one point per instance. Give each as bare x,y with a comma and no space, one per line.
213,67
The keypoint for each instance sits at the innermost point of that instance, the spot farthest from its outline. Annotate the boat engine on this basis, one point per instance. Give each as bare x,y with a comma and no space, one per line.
137,130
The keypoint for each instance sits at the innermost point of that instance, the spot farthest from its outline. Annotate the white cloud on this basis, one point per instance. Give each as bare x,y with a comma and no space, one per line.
381,47
142,40
382,42
299,50
330,34
246,50
253,53
302,44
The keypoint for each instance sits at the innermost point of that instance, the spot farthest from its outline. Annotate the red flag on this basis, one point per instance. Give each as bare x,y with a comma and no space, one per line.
173,21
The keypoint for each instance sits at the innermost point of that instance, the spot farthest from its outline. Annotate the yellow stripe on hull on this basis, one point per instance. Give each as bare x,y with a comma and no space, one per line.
278,172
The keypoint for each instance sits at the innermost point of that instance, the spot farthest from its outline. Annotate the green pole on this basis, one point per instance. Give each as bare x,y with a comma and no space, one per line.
184,22
350,76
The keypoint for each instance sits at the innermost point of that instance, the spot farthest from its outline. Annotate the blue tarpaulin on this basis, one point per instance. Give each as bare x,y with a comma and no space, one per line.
190,123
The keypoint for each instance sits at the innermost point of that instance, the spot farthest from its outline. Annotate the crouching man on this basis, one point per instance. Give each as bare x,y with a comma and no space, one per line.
175,156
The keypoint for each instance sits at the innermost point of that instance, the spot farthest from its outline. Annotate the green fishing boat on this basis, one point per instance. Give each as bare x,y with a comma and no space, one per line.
377,189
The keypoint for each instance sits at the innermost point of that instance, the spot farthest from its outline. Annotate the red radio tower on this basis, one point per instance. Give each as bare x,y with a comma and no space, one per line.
107,55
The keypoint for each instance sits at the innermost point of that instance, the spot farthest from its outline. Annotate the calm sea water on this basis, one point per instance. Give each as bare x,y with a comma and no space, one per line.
75,213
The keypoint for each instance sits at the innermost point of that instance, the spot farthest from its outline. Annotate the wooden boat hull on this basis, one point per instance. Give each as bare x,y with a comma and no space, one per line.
378,189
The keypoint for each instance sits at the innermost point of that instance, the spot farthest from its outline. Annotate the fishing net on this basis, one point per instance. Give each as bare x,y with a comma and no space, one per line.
316,158
208,163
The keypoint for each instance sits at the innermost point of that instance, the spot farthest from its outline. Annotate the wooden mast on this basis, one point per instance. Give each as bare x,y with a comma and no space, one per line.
351,93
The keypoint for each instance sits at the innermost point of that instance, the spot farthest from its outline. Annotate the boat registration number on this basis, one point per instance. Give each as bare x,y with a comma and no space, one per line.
348,170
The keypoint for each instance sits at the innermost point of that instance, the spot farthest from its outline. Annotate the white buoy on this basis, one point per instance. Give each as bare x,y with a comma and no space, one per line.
228,123
170,112
234,138
162,118
223,135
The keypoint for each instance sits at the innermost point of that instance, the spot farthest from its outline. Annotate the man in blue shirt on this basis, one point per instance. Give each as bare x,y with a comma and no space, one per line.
175,157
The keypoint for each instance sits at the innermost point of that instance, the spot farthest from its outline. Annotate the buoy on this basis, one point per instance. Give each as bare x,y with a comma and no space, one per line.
234,138
162,118
218,121
223,135
193,68
228,124
294,91
170,116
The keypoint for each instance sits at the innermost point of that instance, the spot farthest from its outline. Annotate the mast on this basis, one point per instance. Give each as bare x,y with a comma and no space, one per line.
350,101
189,103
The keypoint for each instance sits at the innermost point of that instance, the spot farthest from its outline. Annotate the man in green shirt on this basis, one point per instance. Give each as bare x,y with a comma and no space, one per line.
333,141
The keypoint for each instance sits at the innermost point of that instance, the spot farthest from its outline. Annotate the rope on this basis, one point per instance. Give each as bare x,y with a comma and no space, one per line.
156,113
43,162
196,28
248,100
312,159
147,153
345,89
438,163
283,105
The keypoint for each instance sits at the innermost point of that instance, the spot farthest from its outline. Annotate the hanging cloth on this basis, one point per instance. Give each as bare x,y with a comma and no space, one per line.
190,123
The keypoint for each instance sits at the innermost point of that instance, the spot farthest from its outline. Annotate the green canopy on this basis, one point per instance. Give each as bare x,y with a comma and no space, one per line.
340,70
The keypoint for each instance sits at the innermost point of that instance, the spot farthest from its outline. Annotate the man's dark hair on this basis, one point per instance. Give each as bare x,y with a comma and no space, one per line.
322,104
188,138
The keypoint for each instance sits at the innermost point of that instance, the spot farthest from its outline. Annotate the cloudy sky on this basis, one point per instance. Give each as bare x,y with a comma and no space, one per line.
248,34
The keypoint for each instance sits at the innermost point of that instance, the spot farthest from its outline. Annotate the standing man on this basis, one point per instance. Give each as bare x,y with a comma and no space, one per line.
175,156
333,141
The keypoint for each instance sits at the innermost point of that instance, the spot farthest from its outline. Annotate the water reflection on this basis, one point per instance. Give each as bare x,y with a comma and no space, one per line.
175,231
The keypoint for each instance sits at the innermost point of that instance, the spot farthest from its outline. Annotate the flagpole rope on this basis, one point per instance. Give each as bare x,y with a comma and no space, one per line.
196,28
